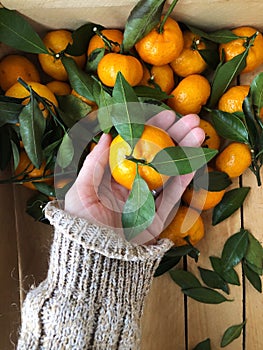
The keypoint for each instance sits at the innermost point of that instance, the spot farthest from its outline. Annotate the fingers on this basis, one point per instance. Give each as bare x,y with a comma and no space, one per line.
165,119
93,168
194,138
183,126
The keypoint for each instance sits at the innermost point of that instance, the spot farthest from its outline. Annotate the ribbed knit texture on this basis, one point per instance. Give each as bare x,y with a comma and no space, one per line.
94,293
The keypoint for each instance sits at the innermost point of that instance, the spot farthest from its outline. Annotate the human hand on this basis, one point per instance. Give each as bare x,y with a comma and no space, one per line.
96,197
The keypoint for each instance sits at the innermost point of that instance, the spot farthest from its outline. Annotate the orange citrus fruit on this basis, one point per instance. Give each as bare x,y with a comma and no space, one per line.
159,48
160,75
190,94
114,35
235,47
190,61
202,199
56,41
13,67
25,166
19,91
234,159
123,170
112,63
59,88
212,139
187,222
83,99
231,101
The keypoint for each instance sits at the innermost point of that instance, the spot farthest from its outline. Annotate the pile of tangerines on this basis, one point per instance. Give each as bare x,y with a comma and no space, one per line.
168,58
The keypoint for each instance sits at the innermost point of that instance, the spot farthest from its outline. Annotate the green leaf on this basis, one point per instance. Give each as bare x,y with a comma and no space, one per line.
212,181
230,276
184,279
81,37
231,334
204,345
213,280
105,110
16,32
93,60
139,209
211,57
141,20
253,277
254,254
224,76
65,152
252,124
9,112
177,160
80,81
220,36
231,201
230,126
16,155
205,295
72,109
44,188
149,92
234,249
5,147
166,265
32,127
256,92
127,113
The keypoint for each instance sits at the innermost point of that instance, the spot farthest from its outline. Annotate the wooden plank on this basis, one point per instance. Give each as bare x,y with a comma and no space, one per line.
34,239
9,288
210,321
163,324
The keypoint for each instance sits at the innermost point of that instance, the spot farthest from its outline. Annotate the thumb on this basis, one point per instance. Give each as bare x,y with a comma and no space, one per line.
92,171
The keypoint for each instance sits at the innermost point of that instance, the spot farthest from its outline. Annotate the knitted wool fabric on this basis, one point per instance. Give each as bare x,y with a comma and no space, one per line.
94,292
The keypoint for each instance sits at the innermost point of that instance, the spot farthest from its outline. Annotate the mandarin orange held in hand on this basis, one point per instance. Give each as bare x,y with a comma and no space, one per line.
123,170
13,67
56,42
235,47
112,63
190,61
186,224
159,48
231,101
113,35
26,169
163,76
19,91
190,94
234,159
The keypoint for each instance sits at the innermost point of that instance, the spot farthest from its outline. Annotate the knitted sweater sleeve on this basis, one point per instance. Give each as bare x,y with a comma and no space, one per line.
94,292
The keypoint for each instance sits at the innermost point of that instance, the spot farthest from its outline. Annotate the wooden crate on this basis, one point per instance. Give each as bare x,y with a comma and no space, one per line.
170,320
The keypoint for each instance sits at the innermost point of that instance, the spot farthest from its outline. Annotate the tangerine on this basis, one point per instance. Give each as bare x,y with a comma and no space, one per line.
59,88
231,101
212,139
234,159
190,94
56,42
235,47
159,48
123,170
113,35
112,63
190,61
187,223
160,75
13,67
27,170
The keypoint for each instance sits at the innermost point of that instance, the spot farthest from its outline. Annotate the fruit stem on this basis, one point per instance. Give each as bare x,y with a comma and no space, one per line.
106,41
170,9
135,160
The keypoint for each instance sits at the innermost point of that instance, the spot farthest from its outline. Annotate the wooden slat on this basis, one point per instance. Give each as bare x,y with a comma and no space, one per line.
9,288
163,320
210,321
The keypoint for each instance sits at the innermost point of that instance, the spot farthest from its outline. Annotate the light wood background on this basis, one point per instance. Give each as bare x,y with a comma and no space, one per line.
170,321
